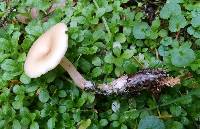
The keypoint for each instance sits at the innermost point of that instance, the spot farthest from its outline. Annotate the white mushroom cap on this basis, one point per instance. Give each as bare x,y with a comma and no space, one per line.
47,51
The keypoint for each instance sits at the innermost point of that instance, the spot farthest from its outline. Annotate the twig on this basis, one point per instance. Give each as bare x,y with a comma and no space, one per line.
138,62
157,54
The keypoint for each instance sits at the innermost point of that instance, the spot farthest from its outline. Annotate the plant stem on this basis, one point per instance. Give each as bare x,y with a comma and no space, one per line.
138,62
103,18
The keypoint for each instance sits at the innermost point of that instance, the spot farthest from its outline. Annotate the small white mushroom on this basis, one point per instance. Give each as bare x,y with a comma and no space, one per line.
48,51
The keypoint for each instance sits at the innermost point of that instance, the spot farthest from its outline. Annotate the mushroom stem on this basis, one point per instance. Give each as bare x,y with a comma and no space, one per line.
74,74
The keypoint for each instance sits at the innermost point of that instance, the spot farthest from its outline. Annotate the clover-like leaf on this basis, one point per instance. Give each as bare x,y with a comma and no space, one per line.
174,125
100,12
177,22
34,125
9,65
97,61
25,79
151,122
84,124
96,72
192,31
169,9
16,124
182,56
117,48
103,122
44,95
34,28
140,29
195,21
51,123
175,110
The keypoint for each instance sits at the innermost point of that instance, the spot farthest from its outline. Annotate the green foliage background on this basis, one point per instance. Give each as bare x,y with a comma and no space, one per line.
107,38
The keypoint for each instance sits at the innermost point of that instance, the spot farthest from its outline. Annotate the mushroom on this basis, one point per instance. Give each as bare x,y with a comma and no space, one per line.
48,51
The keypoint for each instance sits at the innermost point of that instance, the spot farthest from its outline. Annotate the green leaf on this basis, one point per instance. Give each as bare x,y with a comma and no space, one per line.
128,53
193,31
166,41
97,71
120,37
119,70
151,122
97,61
62,94
175,1
81,101
117,48
2,124
103,122
163,33
85,65
113,117
197,42
15,39
25,79
177,22
107,68
175,110
100,12
131,114
51,123
31,87
16,124
76,115
18,89
195,21
109,58
44,95
99,34
2,6
174,125
25,121
84,124
10,29
62,109
50,76
17,104
170,9
41,5
90,98
115,124
182,56
9,65
129,67
5,45
34,125
127,31
34,28
124,127
155,24
140,29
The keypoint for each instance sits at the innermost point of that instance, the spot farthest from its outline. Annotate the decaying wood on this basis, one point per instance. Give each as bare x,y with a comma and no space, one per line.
152,80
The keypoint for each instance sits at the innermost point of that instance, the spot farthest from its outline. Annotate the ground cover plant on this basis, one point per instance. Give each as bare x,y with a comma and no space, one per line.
107,38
